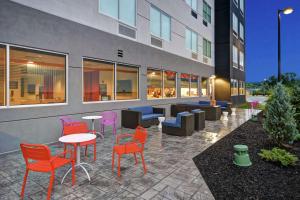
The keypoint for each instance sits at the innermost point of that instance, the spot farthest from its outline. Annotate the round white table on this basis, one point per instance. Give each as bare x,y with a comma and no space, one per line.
225,115
77,139
93,117
161,119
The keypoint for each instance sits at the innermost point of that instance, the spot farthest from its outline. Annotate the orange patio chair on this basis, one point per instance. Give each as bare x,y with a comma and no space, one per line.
136,145
38,158
79,127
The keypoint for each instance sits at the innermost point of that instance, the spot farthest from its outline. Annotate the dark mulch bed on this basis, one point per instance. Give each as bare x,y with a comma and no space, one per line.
263,180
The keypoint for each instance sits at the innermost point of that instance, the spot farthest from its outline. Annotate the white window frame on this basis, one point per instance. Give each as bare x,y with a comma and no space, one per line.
241,33
161,13
118,18
190,49
242,7
204,2
8,106
236,83
235,64
197,6
115,81
235,32
242,58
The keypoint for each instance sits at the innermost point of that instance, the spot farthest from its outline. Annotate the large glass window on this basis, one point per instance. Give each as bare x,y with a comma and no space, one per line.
206,48
206,12
242,61
2,75
160,24
194,86
204,86
185,85
169,84
127,82
242,88
191,40
235,56
234,87
98,79
123,10
241,31
192,3
235,24
154,84
242,5
36,77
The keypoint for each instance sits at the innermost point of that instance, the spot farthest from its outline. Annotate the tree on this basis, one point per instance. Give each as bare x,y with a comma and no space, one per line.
295,101
280,123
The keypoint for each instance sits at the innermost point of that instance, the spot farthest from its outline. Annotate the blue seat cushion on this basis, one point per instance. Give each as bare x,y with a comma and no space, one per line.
171,122
179,115
143,109
151,116
222,103
223,108
204,103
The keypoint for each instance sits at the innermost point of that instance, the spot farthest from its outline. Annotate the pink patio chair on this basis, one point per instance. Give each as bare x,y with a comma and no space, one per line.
109,118
66,120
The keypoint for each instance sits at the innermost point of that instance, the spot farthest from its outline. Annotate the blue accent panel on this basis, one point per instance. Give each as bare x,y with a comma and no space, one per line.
222,104
151,116
144,109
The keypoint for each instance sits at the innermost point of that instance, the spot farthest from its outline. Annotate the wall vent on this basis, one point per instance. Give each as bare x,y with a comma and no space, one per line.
205,60
125,30
194,14
120,53
204,22
156,42
195,56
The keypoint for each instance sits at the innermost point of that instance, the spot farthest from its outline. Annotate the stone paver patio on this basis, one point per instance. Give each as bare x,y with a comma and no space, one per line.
171,174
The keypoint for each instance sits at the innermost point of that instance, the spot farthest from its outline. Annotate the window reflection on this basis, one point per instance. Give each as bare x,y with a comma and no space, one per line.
194,86
36,77
98,80
169,84
127,82
2,75
204,86
185,85
154,84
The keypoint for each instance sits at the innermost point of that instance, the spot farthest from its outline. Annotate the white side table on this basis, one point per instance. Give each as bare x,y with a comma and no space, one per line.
77,139
225,116
161,119
233,111
93,117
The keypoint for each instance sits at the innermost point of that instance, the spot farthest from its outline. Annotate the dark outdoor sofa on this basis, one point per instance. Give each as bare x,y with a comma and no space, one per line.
145,116
212,113
199,116
225,106
183,125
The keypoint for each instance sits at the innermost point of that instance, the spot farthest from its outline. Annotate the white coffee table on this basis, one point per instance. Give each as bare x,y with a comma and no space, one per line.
77,139
161,119
93,117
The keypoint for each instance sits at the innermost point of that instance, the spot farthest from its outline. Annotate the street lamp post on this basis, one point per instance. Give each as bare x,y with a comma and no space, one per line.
285,11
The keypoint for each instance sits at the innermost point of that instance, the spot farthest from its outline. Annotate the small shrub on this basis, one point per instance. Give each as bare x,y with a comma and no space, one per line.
297,138
280,123
279,155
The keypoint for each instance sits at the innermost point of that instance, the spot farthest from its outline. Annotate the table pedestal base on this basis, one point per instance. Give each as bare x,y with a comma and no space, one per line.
78,164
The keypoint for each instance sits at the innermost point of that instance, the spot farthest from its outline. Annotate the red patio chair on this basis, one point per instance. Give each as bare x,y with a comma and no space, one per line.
79,127
136,145
38,158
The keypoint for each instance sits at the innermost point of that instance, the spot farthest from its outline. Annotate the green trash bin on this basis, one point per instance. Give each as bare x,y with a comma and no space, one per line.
241,156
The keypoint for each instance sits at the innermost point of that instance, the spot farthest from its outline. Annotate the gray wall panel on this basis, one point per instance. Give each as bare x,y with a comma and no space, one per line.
33,28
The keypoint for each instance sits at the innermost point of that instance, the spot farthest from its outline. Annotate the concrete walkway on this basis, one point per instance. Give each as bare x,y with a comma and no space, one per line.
171,174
